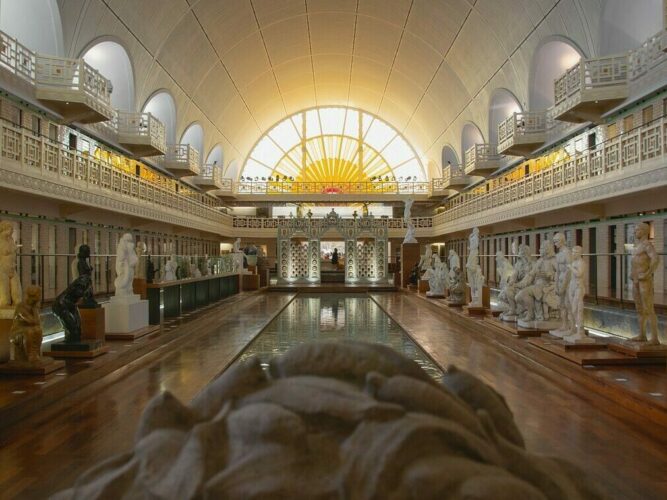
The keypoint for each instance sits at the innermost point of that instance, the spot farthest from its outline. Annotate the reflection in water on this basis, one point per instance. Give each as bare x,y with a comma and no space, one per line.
334,317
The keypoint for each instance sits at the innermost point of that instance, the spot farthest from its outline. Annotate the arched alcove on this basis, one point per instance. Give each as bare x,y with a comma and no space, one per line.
215,156
233,170
194,136
552,58
162,106
470,135
502,104
113,62
627,24
34,23
449,156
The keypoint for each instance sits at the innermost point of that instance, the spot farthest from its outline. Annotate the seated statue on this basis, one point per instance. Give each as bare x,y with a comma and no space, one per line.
456,286
26,330
516,282
539,299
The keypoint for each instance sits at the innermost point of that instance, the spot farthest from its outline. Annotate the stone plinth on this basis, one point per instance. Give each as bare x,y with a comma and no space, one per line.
423,286
92,323
139,287
126,314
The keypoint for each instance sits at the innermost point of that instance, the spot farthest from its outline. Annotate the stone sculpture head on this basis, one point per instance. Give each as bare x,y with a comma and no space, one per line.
577,251
140,248
524,251
547,250
33,296
6,228
559,240
642,231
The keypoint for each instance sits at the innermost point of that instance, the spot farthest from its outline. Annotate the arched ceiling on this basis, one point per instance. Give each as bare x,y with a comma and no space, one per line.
239,66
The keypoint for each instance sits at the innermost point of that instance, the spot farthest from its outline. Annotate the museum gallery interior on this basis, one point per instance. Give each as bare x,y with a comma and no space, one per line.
325,249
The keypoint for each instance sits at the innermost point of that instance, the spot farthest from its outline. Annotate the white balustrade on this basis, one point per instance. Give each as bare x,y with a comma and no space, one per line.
17,58
141,129
481,159
521,133
182,160
274,187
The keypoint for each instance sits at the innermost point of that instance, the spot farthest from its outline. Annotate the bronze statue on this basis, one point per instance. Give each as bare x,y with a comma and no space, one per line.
85,274
26,330
65,307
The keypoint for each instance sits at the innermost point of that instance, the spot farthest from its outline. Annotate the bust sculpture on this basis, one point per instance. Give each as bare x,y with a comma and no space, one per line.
643,265
538,298
516,282
410,233
26,330
10,281
126,260
170,269
562,280
140,269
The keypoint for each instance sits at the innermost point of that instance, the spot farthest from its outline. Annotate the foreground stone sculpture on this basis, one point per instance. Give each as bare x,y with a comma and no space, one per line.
10,281
126,260
562,281
84,271
455,280
426,260
643,267
575,301
539,299
26,331
504,271
333,420
436,276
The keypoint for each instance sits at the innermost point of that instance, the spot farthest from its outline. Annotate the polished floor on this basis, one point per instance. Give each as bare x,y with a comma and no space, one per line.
624,451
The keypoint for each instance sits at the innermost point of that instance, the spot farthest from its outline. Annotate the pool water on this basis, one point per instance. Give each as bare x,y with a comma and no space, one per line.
331,317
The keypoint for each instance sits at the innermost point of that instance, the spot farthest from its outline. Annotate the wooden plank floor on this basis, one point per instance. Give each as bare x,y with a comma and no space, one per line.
625,452
47,451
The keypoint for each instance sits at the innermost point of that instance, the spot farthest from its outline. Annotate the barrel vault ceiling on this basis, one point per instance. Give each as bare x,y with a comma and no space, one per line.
239,66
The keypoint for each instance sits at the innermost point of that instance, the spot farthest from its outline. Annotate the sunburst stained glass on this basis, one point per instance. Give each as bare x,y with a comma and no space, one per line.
333,144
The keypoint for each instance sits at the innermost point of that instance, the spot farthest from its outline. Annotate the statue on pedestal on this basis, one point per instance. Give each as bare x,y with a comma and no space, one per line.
410,233
126,260
425,261
456,285
170,269
237,245
576,291
474,270
84,272
436,276
539,299
516,282
10,281
26,330
504,271
644,264
65,308
140,270
562,279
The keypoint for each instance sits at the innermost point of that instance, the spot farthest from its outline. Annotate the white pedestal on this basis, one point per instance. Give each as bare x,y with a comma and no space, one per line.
125,314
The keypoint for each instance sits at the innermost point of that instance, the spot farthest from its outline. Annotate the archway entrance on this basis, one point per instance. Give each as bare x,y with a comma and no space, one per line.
300,248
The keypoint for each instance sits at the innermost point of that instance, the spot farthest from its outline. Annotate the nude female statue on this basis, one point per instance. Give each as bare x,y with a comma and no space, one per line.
644,263
10,282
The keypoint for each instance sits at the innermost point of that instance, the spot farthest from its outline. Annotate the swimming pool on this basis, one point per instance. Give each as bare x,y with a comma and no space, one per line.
331,317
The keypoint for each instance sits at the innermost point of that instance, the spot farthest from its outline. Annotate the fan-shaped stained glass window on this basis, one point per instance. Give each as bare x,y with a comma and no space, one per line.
333,144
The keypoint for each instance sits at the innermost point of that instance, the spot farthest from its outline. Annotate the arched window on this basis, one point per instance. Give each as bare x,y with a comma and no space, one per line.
162,106
34,23
334,144
502,104
194,136
112,61
551,59
215,156
470,135
449,157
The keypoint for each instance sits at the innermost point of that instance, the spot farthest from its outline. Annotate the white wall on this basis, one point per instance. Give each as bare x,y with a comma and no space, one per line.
112,61
35,23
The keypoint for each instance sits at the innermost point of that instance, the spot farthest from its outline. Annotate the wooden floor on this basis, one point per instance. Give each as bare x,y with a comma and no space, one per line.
625,452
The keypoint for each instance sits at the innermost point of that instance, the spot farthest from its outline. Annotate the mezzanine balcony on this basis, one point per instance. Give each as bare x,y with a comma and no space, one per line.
453,180
482,159
591,88
17,59
141,133
73,89
181,160
210,179
522,133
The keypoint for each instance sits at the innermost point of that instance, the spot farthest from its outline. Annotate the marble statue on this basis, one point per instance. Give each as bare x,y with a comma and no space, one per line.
170,269
474,270
539,299
410,233
562,280
26,329
333,420
141,267
643,266
126,260
436,275
454,260
10,281
425,260
84,272
456,285
504,271
516,282
576,291
237,245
